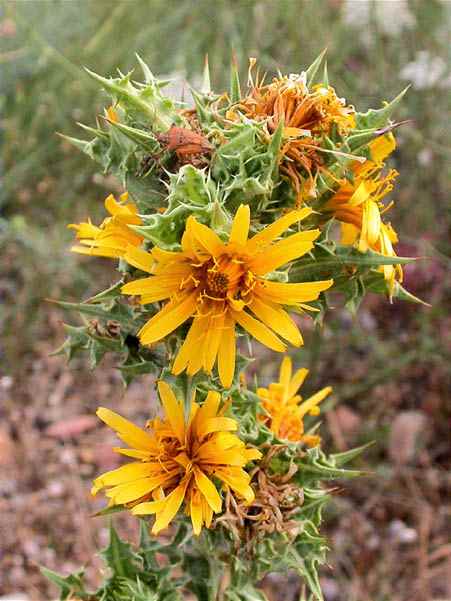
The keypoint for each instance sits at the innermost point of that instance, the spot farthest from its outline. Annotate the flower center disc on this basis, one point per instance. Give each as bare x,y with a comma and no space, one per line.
223,277
217,284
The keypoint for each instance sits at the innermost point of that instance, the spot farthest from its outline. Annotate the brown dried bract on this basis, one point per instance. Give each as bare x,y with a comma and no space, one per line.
111,329
277,501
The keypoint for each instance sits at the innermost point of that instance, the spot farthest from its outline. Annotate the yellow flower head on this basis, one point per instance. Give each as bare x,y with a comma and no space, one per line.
358,206
112,114
220,284
176,462
285,409
112,237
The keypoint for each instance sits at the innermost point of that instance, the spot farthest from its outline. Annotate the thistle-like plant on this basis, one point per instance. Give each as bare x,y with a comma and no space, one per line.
238,214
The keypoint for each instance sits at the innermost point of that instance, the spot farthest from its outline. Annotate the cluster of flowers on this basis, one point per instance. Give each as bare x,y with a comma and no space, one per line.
227,230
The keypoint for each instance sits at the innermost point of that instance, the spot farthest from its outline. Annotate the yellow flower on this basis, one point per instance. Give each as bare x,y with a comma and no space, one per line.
358,206
177,461
112,114
113,236
285,409
221,284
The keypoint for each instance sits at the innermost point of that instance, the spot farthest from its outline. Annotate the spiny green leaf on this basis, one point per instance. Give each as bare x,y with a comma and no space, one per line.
82,145
403,294
376,118
119,313
206,85
119,556
235,88
308,570
109,510
144,103
94,131
77,339
313,69
71,586
376,283
146,140
133,370
110,293
148,75
329,265
347,456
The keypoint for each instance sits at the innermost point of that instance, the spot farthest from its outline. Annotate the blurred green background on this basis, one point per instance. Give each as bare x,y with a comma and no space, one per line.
390,361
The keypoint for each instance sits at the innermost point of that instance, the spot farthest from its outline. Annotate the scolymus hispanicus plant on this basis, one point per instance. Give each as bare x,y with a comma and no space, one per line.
237,216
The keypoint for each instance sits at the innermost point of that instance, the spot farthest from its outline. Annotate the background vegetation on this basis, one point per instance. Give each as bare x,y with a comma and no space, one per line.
389,368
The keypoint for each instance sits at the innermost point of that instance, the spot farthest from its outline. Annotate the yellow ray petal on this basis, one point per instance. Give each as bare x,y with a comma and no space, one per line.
171,506
297,381
149,507
210,405
291,294
117,209
381,147
259,331
207,512
173,410
209,455
360,194
225,440
206,237
215,424
273,231
85,230
285,372
213,448
212,340
283,252
144,455
349,234
208,489
155,287
130,491
121,475
96,252
196,511
166,256
371,225
226,353
238,481
139,258
162,324
191,344
208,410
278,319
312,401
141,439
240,225
252,454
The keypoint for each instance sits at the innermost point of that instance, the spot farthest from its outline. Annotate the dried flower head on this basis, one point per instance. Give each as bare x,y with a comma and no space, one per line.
277,501
307,115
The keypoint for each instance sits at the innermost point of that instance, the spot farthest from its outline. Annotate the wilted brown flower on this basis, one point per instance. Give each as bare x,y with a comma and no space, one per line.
277,501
